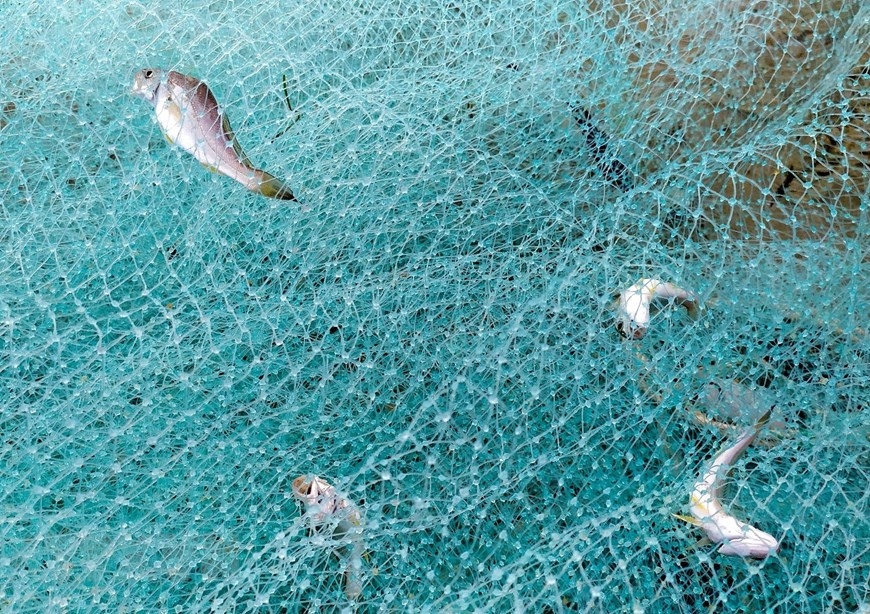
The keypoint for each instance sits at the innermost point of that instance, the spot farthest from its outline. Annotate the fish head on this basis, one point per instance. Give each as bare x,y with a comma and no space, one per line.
629,329
146,82
752,542
633,310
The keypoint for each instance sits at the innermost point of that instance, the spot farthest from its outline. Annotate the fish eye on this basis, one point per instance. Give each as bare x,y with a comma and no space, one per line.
149,73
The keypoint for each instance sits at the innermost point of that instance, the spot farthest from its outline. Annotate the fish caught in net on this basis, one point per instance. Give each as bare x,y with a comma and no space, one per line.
428,332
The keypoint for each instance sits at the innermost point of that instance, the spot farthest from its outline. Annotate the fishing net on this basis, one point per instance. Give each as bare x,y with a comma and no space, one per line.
430,329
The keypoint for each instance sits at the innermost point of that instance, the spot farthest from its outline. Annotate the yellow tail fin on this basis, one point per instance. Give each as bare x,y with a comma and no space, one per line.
272,187
689,519
763,420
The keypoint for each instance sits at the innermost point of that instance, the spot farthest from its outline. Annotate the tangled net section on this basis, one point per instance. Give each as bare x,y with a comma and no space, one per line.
406,390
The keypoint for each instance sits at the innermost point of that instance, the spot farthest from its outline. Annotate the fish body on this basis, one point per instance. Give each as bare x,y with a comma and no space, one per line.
633,305
326,508
191,118
737,537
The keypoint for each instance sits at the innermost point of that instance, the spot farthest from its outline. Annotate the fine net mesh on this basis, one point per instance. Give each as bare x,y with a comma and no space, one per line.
430,328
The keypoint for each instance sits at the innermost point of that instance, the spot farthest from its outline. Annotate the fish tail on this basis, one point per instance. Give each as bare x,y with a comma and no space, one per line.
353,574
759,424
727,457
693,308
271,187
690,302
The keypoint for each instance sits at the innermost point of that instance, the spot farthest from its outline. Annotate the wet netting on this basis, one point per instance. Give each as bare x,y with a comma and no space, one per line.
406,390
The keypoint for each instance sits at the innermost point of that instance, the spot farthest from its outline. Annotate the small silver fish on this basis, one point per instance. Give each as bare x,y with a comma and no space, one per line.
633,305
736,536
191,118
326,508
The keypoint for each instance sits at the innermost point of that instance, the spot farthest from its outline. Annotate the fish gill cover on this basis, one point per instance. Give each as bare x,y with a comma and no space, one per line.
429,331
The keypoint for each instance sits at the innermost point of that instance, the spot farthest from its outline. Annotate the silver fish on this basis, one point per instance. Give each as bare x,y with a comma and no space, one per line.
736,536
633,305
191,118
324,507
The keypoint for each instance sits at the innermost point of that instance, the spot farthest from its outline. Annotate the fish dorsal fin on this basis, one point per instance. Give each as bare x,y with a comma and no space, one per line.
231,137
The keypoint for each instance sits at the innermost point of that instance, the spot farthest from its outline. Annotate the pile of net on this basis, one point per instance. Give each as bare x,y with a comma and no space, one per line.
405,391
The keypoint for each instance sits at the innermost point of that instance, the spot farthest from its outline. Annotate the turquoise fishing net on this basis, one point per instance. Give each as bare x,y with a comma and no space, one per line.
430,328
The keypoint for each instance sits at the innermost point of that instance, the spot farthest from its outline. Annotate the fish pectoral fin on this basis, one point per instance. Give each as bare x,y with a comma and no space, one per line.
230,136
690,519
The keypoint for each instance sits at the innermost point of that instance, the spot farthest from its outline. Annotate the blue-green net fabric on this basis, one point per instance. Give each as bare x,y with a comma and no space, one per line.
430,328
